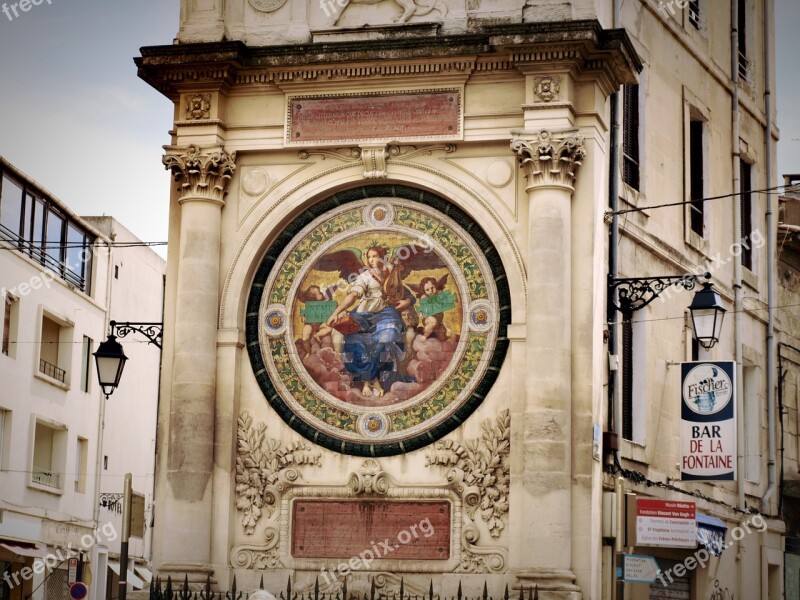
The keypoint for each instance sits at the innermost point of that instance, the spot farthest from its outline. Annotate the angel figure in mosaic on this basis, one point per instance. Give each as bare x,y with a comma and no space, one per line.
375,342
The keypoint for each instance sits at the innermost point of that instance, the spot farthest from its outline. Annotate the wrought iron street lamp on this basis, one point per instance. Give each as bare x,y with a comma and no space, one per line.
628,295
110,356
110,359
707,315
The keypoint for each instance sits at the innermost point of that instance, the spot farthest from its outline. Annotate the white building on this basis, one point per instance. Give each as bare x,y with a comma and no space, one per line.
57,275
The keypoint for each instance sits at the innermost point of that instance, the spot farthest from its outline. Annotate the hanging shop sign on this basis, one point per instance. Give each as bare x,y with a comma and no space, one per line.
708,421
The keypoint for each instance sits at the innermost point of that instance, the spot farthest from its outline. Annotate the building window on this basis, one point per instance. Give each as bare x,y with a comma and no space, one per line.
694,13
752,413
697,176
5,437
627,378
10,321
746,213
38,228
55,348
744,64
81,464
630,135
49,453
86,364
11,209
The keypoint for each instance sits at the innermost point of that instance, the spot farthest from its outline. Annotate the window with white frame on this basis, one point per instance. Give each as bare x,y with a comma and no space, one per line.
86,363
49,454
81,464
55,348
10,322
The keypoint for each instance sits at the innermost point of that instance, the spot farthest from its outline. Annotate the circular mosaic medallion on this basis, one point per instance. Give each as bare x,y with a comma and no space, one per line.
379,214
375,324
275,320
267,5
373,425
480,316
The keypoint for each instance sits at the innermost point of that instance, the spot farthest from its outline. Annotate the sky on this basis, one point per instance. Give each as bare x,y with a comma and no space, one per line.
75,117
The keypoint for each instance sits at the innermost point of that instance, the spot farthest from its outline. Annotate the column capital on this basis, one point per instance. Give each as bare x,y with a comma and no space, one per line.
201,174
549,160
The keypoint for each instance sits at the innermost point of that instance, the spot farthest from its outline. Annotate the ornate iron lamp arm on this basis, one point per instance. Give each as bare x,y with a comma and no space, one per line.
638,292
152,331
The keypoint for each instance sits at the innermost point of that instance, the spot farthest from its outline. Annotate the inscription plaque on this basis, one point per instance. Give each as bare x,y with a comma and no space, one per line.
389,530
403,116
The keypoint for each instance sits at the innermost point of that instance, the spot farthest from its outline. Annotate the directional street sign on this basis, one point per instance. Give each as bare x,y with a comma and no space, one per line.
638,568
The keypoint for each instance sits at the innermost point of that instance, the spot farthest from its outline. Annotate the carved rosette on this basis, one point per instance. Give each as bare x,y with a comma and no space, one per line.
198,107
550,160
201,174
548,88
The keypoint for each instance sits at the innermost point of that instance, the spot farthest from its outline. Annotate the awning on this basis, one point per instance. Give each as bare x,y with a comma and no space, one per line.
144,573
132,579
711,533
31,549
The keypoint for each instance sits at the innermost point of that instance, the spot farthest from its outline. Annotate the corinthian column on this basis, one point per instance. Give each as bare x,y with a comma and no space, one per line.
544,549
203,177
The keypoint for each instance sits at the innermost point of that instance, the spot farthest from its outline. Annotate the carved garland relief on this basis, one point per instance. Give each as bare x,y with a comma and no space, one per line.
269,485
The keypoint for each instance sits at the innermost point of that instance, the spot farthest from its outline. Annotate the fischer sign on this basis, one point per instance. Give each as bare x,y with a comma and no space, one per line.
708,421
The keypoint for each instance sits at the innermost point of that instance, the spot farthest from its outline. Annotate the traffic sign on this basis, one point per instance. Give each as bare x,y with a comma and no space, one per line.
78,590
639,568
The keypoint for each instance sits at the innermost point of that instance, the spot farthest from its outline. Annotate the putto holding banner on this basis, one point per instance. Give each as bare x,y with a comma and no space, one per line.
708,421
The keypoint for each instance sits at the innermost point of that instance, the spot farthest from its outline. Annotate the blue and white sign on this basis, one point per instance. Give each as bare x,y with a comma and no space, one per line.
708,421
639,568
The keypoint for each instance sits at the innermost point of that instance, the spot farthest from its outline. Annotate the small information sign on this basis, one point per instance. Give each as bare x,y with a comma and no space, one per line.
639,568
666,523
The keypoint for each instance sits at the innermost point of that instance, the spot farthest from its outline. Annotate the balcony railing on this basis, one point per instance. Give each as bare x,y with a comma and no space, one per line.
52,371
43,477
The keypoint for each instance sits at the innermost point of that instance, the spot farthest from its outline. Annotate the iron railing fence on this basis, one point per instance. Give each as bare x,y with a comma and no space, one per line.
160,590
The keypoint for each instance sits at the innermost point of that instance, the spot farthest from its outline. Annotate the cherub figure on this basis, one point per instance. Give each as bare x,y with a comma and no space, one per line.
432,325
316,330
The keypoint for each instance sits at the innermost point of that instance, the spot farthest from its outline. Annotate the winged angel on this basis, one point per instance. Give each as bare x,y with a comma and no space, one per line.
375,339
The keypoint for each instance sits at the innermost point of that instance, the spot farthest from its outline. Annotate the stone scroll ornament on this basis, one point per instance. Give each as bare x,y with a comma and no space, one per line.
479,470
376,321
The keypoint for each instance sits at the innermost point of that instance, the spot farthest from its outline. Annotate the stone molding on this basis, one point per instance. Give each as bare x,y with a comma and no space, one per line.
548,88
548,160
200,174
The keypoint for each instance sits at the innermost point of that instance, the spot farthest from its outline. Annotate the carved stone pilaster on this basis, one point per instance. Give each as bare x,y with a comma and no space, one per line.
200,174
550,160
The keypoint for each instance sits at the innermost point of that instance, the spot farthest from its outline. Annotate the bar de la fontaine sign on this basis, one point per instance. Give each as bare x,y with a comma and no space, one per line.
708,421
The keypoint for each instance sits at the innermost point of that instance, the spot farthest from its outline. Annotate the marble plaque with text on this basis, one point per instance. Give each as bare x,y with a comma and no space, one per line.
424,115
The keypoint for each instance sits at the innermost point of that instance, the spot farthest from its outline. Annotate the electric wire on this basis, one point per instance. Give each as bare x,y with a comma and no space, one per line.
766,191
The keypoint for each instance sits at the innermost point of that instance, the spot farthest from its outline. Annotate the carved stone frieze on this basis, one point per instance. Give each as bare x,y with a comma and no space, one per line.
410,9
479,470
550,160
376,156
267,5
264,468
548,88
198,106
201,174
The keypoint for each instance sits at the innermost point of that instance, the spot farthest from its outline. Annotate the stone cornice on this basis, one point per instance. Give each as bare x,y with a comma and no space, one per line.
585,45
549,160
201,174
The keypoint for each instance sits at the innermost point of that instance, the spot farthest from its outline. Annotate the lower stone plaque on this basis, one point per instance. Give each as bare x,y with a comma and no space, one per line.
373,530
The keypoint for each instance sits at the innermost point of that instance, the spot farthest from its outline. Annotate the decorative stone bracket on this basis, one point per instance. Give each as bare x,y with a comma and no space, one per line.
201,174
549,160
